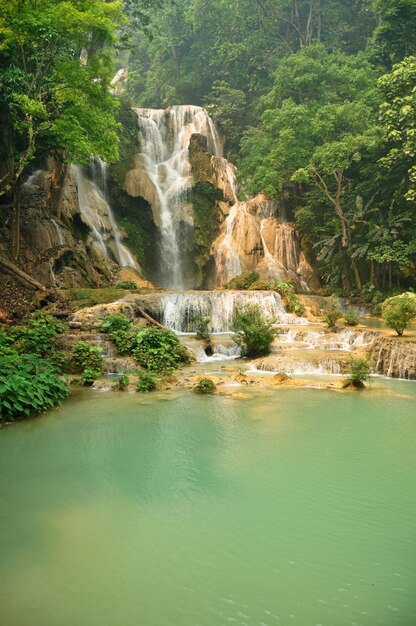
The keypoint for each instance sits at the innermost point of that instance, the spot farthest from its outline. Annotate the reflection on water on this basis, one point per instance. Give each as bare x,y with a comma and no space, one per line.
288,506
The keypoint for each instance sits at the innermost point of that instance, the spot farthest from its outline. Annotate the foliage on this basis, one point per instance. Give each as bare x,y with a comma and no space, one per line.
243,281
316,123
114,323
205,385
125,284
253,333
28,385
201,325
159,350
89,376
37,336
88,357
83,297
122,383
125,340
50,98
398,116
147,381
331,315
358,371
399,311
351,317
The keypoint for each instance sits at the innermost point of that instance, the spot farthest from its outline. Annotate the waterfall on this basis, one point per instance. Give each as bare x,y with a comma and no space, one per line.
176,310
164,137
97,214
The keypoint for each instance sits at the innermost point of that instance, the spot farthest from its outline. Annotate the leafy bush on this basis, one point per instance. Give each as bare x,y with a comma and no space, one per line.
147,382
293,304
205,385
37,336
89,376
201,325
351,317
243,281
28,385
114,323
125,340
399,311
331,315
159,350
122,383
125,284
6,343
63,360
253,333
88,357
359,371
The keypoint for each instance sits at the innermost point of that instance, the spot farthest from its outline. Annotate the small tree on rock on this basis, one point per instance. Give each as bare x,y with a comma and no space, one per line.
253,333
399,311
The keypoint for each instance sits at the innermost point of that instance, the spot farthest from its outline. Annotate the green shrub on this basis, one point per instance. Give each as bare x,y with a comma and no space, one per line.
88,357
122,383
28,385
63,360
261,285
331,315
124,340
6,343
201,325
243,281
159,350
351,317
293,304
113,323
205,385
253,333
399,311
37,336
125,284
147,381
89,376
358,371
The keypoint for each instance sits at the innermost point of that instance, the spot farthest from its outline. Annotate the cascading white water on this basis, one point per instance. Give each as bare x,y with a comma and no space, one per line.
98,215
177,310
164,137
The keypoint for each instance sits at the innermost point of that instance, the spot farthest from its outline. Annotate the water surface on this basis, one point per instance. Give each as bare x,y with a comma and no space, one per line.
282,507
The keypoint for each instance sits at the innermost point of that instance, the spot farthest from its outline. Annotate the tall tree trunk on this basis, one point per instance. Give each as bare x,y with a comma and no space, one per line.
16,223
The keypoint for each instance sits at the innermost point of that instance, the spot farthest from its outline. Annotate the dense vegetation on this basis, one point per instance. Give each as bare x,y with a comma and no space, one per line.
315,98
317,102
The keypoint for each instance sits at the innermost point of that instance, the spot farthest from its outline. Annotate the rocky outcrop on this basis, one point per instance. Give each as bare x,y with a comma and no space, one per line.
206,236
67,236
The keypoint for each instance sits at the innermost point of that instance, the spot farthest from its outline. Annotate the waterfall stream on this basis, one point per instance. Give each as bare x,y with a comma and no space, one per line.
97,214
164,137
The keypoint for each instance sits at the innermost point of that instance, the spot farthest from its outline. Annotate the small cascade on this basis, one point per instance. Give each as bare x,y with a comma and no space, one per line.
97,214
163,176
176,310
58,230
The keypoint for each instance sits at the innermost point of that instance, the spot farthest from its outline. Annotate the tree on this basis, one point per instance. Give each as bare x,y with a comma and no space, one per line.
253,333
395,36
56,66
358,371
399,311
398,117
316,124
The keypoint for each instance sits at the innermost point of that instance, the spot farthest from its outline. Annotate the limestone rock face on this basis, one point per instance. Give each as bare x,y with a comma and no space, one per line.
255,236
179,169
59,244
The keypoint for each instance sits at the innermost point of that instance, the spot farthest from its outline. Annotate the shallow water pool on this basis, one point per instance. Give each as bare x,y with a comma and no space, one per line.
284,507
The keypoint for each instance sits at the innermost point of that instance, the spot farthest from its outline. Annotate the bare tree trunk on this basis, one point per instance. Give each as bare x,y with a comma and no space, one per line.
16,224
11,268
